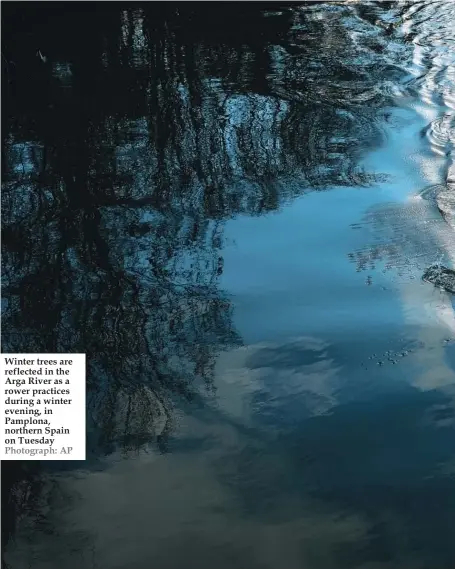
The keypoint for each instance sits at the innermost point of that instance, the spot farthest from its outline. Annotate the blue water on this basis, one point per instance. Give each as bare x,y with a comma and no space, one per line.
236,206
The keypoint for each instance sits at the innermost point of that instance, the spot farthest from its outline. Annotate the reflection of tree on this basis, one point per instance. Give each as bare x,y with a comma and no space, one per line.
219,134
145,139
122,159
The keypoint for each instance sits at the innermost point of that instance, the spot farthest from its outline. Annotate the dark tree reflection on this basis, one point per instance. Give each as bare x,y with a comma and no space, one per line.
131,134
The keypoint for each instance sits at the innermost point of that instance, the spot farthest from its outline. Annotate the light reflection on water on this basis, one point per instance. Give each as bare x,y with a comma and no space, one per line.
228,227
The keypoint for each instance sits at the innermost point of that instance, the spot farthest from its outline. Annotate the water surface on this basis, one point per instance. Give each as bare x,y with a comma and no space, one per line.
226,209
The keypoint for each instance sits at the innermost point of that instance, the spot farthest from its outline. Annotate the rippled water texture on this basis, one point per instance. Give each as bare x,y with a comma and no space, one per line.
229,207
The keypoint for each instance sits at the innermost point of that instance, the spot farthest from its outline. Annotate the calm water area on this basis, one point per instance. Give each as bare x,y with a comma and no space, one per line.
229,208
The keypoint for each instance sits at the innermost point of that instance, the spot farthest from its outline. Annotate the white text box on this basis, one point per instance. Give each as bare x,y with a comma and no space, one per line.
42,406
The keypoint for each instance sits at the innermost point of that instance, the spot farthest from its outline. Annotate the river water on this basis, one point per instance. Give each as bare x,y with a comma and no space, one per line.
230,209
